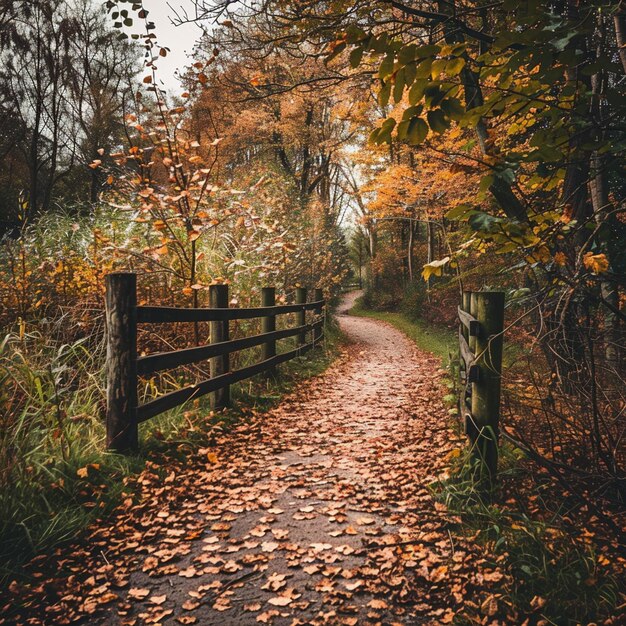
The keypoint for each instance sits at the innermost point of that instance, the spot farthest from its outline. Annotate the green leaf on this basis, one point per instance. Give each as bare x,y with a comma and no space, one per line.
427,51
380,44
452,108
507,175
354,34
436,68
386,67
454,67
355,57
383,95
411,112
484,222
406,54
433,95
398,86
423,69
402,130
417,131
486,182
384,132
438,121
417,91
410,70
459,212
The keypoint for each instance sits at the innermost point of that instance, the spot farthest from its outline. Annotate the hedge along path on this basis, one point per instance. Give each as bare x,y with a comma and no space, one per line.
316,513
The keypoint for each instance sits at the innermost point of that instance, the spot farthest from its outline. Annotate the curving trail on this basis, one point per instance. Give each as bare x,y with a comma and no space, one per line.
318,513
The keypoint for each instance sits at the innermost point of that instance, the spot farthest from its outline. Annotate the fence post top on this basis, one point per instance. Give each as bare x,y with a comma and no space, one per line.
120,273
490,294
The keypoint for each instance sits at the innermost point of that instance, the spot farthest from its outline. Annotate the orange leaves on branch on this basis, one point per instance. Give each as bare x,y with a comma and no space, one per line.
596,263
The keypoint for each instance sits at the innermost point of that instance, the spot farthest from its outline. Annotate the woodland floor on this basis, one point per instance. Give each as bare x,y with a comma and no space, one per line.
316,513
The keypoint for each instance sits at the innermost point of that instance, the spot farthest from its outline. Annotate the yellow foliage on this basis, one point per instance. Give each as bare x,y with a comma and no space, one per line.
596,263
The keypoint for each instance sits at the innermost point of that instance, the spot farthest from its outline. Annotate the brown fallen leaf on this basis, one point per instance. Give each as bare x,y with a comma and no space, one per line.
190,605
269,546
138,594
351,586
158,599
375,603
190,572
222,604
267,616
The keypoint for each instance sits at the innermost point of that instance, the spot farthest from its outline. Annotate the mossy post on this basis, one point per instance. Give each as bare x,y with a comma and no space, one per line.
488,308
466,396
121,362
301,293
218,299
268,325
317,297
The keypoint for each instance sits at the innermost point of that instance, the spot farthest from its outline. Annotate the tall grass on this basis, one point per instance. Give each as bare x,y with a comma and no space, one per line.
54,477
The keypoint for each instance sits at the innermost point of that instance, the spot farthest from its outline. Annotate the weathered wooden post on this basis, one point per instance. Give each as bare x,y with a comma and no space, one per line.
218,299
301,293
466,396
465,305
268,325
121,362
318,295
488,308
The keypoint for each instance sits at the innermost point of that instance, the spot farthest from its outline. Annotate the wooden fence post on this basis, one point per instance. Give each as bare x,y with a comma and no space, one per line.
268,325
465,400
488,308
318,295
218,299
121,362
465,305
301,293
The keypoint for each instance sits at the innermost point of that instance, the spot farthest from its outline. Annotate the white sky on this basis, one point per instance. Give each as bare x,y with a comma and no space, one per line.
179,39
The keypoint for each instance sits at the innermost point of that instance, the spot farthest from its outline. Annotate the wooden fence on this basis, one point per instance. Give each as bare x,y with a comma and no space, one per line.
481,327
124,414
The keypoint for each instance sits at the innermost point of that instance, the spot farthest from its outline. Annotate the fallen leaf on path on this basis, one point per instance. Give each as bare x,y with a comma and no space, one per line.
267,616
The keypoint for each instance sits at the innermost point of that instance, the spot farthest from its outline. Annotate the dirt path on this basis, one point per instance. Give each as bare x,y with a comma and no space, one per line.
318,513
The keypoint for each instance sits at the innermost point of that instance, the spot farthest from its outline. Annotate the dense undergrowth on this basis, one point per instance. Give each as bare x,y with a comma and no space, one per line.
55,474
560,569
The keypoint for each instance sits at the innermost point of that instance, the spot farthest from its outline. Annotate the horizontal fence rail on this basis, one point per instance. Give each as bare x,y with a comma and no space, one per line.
166,314
481,325
123,412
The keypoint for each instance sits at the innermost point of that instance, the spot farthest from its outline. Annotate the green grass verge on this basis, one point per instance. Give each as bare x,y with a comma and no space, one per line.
61,477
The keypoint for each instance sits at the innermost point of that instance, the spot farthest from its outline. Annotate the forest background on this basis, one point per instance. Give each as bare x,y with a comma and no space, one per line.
422,148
